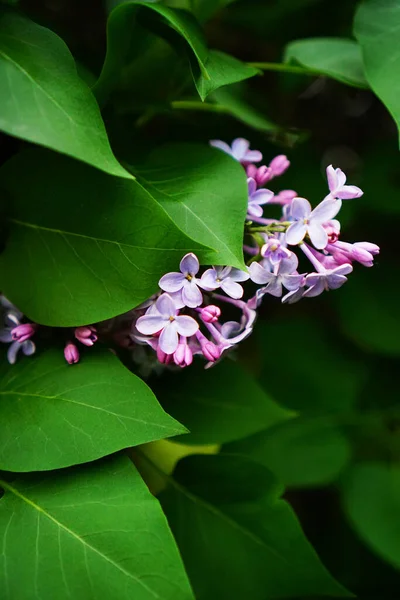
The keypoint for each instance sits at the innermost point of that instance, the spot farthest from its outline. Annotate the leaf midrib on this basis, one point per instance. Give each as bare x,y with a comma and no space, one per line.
85,544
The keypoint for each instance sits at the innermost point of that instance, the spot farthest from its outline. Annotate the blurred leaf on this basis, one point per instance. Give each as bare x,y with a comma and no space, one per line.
217,405
204,9
55,415
42,98
371,496
318,378
83,246
376,27
380,179
300,452
338,58
89,532
204,191
242,110
238,539
210,69
368,310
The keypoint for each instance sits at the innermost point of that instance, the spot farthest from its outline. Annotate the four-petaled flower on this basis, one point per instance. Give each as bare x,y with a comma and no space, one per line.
257,198
274,250
329,279
185,281
338,189
308,221
168,322
281,276
225,278
240,150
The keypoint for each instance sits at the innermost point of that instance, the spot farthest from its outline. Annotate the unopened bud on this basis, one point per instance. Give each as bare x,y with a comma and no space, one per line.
21,333
71,353
210,313
86,335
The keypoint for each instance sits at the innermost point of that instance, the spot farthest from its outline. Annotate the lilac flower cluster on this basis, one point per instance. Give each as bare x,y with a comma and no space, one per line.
187,316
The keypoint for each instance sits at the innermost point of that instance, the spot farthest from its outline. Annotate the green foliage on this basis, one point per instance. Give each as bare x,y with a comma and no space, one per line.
376,28
371,496
87,532
42,98
55,415
237,538
226,403
210,207
334,57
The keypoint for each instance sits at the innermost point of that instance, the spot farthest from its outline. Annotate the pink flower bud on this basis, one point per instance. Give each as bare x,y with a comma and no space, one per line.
332,228
210,313
71,353
183,356
279,165
21,333
261,174
284,197
210,351
164,358
86,335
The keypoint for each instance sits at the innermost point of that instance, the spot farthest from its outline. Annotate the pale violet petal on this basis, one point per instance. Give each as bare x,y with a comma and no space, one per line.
315,290
341,178
349,192
189,264
150,324
252,185
231,288
275,287
252,156
326,210
318,235
230,329
177,298
168,340
343,269
239,148
300,208
221,146
186,325
239,275
12,352
332,178
191,295
5,336
289,264
165,306
172,282
254,210
28,348
336,281
258,274
208,280
292,282
296,233
262,196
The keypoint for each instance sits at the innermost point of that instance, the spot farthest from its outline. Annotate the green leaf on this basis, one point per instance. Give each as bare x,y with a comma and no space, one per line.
237,538
83,246
217,405
369,313
88,532
376,27
338,58
204,191
371,496
300,452
42,98
210,69
55,415
241,110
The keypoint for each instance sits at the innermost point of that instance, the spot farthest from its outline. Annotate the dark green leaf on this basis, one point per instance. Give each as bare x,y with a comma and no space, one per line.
55,415
88,532
204,191
376,27
242,110
219,404
371,495
211,70
83,246
300,452
238,539
338,58
42,98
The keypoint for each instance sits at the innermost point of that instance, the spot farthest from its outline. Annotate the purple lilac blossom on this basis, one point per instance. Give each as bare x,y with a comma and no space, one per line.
275,250
240,150
257,198
331,279
338,189
261,175
277,277
11,320
308,221
226,278
185,282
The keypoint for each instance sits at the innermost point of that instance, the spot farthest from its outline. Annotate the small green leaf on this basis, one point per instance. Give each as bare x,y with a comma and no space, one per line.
237,538
42,98
217,405
376,27
211,69
204,191
338,58
83,246
371,496
300,452
89,532
55,415
241,110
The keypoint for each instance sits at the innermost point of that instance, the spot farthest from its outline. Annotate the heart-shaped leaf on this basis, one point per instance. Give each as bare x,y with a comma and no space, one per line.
88,532
55,415
42,98
83,246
